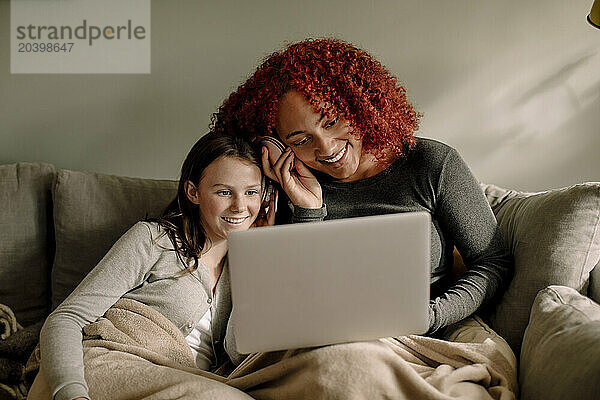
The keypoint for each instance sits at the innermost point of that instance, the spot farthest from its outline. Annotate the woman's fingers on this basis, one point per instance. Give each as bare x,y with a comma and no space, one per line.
302,169
286,170
266,164
280,166
295,178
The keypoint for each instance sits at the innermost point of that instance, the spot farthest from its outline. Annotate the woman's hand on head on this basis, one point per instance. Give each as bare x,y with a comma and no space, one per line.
300,185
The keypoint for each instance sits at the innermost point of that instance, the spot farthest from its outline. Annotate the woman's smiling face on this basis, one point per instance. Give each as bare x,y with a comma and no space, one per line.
228,196
323,144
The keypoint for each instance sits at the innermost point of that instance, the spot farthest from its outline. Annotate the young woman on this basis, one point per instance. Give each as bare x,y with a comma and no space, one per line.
350,150
175,264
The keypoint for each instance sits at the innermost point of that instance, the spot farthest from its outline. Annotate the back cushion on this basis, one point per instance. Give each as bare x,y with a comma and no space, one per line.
91,211
554,237
26,243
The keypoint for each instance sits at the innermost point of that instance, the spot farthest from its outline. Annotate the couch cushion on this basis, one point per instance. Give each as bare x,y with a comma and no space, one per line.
560,357
554,237
26,242
91,211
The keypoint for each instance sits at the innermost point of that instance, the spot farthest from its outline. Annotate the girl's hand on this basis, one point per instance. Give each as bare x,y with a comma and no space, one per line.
295,178
266,216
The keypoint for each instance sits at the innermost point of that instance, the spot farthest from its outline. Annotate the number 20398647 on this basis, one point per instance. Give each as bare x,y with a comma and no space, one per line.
26,47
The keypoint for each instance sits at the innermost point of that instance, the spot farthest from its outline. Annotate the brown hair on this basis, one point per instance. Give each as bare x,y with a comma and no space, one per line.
181,219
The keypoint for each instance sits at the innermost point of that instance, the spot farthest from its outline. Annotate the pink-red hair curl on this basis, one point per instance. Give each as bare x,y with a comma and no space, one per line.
337,79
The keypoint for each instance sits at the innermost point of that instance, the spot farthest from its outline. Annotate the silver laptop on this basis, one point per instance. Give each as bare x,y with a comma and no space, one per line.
311,284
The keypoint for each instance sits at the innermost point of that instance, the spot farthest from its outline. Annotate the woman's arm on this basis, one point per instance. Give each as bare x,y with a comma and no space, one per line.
465,216
122,269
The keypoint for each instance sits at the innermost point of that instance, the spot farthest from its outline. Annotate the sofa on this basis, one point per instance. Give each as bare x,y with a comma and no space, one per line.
56,224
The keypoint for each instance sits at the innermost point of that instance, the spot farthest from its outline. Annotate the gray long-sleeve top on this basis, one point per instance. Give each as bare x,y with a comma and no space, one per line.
431,177
141,266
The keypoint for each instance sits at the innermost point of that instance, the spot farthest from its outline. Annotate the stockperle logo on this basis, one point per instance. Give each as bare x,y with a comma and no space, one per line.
80,36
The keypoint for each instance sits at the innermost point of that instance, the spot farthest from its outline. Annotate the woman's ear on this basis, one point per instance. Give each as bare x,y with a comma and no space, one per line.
192,192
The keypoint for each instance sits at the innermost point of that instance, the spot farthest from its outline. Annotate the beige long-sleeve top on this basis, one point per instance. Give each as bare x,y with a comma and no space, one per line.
142,266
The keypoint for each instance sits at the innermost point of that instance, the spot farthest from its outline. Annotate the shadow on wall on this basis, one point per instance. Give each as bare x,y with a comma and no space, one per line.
556,79
550,158
532,112
536,125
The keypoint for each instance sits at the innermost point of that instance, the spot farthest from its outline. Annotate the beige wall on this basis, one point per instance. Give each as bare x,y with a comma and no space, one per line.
514,87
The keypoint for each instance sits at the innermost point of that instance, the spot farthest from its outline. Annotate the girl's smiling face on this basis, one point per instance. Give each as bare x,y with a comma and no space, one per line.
228,196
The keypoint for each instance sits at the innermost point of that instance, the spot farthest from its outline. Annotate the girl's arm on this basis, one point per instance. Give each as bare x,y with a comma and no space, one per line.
123,268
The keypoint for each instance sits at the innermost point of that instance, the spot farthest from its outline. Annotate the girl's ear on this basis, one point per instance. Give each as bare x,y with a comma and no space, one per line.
192,192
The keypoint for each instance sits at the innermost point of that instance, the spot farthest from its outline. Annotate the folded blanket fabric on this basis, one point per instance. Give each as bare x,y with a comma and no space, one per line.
410,367
21,343
8,322
132,326
14,353
135,352
11,371
16,346
13,392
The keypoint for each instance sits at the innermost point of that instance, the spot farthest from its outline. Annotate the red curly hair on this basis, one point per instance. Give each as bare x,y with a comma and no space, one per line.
337,79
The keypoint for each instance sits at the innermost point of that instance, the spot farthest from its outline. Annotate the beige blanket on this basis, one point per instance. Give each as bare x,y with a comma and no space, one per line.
136,353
